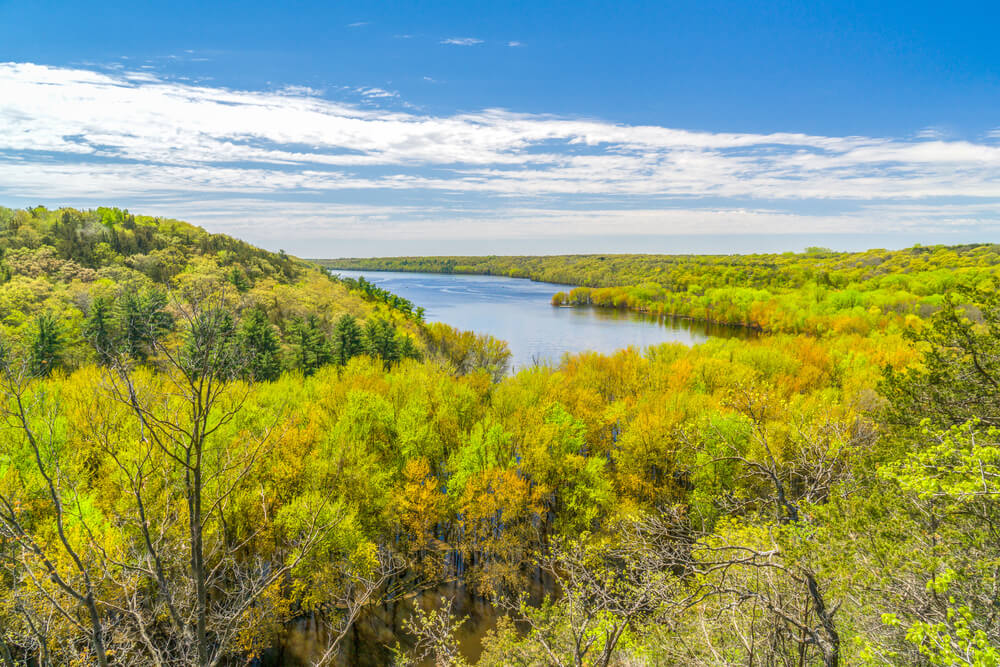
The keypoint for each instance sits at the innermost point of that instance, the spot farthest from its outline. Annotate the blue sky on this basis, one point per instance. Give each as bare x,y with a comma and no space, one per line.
387,128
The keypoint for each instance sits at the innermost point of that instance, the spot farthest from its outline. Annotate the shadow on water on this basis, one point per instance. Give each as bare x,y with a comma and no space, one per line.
379,628
698,329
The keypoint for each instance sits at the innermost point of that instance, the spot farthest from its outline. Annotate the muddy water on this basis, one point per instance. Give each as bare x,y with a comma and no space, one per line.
380,628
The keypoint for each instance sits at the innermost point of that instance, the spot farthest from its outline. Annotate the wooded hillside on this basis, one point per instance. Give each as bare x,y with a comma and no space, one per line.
205,446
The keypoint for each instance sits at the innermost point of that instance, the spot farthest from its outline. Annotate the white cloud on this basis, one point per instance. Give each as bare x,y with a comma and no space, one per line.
358,24
88,136
932,133
514,44
462,41
376,92
305,91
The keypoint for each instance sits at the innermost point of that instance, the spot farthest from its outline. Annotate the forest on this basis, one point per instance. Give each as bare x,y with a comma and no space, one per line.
205,444
815,292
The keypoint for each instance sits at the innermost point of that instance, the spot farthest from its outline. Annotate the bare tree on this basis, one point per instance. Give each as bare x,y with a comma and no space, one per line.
762,574
29,420
435,637
182,480
177,573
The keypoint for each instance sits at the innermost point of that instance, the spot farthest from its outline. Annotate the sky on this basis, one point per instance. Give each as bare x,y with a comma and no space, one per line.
334,129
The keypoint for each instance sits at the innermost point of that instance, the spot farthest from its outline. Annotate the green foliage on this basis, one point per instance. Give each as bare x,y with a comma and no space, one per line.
735,502
311,347
99,329
467,352
959,378
954,642
259,345
45,345
381,340
141,317
347,339
818,292
211,346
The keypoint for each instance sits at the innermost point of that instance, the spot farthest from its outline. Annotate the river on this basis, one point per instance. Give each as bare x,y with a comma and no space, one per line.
520,312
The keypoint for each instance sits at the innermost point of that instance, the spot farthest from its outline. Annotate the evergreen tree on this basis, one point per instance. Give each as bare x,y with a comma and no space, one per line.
259,342
380,340
142,317
210,345
406,347
45,346
347,339
312,349
99,330
239,279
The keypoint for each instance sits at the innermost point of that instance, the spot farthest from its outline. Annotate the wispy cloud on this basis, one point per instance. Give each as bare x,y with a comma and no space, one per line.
306,91
462,41
377,92
88,136
514,44
358,24
933,133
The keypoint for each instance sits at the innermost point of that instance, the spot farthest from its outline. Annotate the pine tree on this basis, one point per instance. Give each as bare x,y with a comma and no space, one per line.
141,318
259,342
45,345
380,340
99,330
210,346
347,341
312,349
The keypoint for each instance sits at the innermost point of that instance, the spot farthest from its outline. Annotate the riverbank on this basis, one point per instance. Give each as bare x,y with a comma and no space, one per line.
520,312
816,292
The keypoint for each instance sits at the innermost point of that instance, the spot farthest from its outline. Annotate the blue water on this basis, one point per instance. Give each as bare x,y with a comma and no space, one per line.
520,312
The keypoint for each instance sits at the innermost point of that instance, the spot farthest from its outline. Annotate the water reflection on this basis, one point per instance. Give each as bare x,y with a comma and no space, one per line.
520,312
380,628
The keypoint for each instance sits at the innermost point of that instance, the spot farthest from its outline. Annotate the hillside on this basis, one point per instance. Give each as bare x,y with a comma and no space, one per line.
73,273
212,454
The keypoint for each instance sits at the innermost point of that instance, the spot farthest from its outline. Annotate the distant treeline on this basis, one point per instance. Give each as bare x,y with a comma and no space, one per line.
817,291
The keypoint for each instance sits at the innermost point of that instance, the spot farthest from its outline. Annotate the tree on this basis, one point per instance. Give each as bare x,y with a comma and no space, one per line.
210,343
258,341
608,588
45,346
467,352
28,413
959,377
239,279
786,466
347,339
140,318
99,330
380,340
199,456
939,589
311,347
435,632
